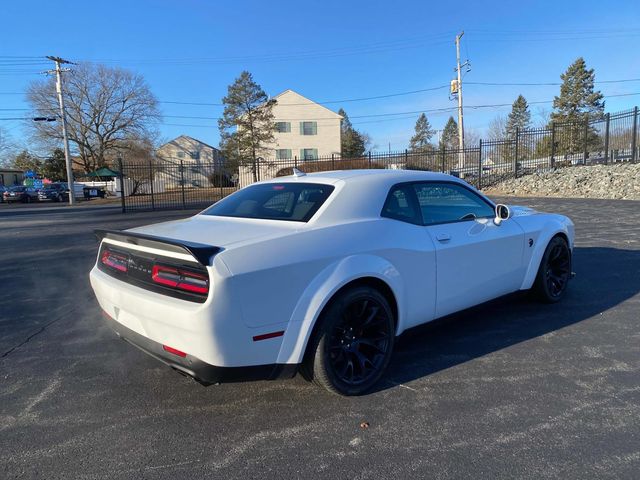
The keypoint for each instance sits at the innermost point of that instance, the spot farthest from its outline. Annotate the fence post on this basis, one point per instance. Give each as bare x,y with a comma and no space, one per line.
515,158
369,158
406,159
121,178
635,134
333,162
586,143
153,202
606,139
182,183
443,159
480,166
553,145
295,161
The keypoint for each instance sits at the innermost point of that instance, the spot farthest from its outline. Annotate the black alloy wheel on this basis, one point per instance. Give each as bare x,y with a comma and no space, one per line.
354,343
554,272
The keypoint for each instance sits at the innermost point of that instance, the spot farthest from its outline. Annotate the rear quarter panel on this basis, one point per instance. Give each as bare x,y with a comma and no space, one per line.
292,278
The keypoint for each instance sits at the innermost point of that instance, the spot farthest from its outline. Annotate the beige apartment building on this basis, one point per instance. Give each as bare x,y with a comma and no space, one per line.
304,129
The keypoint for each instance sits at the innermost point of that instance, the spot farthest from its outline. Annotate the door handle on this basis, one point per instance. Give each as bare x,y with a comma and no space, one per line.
443,237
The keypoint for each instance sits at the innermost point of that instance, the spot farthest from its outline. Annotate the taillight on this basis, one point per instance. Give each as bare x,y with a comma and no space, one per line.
114,260
180,279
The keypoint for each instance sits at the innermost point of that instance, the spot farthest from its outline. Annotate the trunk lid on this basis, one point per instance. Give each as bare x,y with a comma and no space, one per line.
219,231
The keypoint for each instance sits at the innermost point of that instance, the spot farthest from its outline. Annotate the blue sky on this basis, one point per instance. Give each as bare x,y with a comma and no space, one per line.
190,50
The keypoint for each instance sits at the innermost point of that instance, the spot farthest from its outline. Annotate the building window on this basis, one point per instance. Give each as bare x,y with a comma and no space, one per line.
283,127
309,154
180,154
194,155
308,128
283,154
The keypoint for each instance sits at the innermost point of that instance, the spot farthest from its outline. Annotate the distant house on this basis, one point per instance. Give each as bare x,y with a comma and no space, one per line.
186,161
189,150
11,176
304,129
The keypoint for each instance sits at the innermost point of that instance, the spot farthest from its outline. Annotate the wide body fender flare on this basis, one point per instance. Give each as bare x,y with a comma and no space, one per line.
550,229
323,287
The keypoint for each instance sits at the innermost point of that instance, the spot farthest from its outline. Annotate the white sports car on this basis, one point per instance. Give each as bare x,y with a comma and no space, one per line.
319,273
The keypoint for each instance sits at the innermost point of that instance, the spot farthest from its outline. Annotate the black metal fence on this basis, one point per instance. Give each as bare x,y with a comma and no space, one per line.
162,184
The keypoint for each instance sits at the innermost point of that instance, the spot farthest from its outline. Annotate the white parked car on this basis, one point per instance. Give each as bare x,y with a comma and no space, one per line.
320,273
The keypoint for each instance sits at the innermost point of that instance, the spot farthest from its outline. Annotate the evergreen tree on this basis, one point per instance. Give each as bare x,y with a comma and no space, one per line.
578,102
449,139
55,167
247,126
421,140
352,142
25,161
578,99
520,117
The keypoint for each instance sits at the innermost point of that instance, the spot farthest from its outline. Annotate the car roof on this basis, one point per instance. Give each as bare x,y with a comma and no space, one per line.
372,175
359,193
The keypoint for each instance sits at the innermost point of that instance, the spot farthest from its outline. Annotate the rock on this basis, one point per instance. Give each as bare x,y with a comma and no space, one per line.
599,181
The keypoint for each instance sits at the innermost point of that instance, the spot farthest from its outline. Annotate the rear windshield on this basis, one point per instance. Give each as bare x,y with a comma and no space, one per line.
273,201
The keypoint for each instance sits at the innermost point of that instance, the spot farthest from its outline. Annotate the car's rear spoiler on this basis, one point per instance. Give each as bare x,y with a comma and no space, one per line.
201,252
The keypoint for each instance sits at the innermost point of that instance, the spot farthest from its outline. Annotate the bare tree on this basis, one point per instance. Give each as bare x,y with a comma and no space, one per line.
497,128
471,137
6,147
105,106
543,117
141,165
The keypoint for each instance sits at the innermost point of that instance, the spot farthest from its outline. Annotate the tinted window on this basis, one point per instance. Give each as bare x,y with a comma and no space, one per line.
448,202
399,205
284,201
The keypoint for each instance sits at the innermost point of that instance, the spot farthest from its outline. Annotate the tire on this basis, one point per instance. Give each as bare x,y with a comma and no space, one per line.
554,271
352,344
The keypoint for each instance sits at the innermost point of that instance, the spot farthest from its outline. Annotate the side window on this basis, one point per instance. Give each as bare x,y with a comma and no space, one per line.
308,128
283,154
399,205
283,127
448,202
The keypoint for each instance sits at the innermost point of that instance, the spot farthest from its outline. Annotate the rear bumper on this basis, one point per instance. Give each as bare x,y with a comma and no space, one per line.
200,371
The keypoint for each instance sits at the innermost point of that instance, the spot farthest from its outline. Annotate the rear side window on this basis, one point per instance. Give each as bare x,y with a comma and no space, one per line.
400,205
273,201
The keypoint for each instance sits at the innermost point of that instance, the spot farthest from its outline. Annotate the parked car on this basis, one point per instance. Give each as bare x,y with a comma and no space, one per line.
56,192
2,190
21,194
320,273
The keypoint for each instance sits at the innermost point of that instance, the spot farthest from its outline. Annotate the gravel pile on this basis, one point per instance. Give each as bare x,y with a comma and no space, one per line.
620,181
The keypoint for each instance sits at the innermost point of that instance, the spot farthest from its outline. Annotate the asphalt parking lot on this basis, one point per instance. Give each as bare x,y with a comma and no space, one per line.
511,389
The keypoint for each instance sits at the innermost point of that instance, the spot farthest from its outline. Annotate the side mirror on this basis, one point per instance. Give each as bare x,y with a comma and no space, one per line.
502,213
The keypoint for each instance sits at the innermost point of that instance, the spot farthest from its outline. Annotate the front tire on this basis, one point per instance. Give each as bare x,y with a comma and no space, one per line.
554,272
353,343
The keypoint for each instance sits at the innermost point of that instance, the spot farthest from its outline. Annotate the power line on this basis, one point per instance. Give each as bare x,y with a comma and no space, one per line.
531,84
326,102
393,114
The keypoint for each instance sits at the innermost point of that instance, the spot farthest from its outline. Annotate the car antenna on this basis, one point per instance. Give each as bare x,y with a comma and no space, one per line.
298,173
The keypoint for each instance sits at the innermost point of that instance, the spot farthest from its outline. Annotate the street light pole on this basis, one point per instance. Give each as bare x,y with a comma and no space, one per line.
58,61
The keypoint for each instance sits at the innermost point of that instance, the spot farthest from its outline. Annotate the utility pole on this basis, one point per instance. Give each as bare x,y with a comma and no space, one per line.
58,71
461,159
